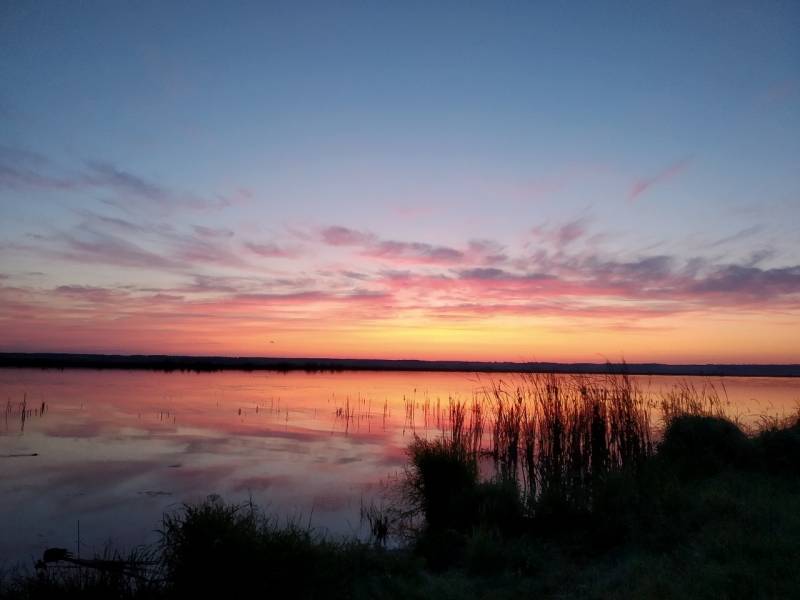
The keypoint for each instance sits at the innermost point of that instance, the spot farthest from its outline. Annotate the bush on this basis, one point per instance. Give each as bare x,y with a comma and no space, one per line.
234,550
701,445
779,449
443,478
499,507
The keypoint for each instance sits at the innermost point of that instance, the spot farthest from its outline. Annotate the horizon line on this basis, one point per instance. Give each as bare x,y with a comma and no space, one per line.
168,362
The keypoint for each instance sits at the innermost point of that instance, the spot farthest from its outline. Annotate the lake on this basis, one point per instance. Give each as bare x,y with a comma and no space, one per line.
107,452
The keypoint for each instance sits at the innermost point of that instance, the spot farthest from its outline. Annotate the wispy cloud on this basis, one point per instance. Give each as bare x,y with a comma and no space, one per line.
136,242
272,250
561,236
641,186
735,237
104,174
98,247
337,235
411,252
21,169
213,232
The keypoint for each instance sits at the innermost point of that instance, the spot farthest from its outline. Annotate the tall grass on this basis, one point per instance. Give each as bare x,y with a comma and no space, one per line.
552,439
685,398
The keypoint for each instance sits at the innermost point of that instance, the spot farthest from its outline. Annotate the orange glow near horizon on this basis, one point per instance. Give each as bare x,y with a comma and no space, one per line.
333,332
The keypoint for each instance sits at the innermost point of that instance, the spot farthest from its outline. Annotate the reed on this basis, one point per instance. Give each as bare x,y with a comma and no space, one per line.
685,398
552,438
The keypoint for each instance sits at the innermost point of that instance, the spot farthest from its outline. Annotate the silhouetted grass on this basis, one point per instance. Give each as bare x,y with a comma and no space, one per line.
574,463
136,575
553,440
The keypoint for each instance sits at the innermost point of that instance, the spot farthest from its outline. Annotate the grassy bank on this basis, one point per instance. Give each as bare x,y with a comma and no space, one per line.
543,487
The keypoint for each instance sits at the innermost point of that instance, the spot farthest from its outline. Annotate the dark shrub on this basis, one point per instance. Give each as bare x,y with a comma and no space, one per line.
499,507
779,449
443,479
617,502
206,540
698,445
485,553
215,549
441,549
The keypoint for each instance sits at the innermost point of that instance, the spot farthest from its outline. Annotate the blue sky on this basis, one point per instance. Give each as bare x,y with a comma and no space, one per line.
656,129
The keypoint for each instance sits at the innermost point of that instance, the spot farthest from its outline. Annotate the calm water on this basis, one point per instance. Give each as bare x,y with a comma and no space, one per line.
115,449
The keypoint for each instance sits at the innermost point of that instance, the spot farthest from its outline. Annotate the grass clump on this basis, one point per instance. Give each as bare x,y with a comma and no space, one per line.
134,576
236,550
443,482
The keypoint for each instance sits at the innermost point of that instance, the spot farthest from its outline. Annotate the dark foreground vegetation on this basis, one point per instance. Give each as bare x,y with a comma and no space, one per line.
543,488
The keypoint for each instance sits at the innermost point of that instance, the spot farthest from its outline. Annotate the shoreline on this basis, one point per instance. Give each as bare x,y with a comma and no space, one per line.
220,363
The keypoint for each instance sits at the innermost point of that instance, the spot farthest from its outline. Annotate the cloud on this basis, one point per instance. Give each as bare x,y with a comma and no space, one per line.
486,252
494,274
223,284
213,232
391,250
350,275
272,250
104,174
735,237
569,232
105,239
21,156
413,252
637,272
641,186
343,236
21,178
194,250
97,247
21,169
750,282
562,235
483,273
121,225
88,293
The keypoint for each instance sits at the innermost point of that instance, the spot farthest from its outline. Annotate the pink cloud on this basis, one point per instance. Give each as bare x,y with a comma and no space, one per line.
272,250
413,252
344,236
403,252
642,185
562,235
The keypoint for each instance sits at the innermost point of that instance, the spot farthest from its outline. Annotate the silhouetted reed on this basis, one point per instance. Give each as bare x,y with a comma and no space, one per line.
685,398
552,438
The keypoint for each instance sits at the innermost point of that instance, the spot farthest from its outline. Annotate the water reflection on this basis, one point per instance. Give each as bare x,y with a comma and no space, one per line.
116,449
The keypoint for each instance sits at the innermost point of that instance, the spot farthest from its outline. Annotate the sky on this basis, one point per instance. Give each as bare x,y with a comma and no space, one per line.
466,181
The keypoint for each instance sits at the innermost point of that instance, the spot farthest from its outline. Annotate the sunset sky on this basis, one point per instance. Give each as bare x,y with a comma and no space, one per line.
488,181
